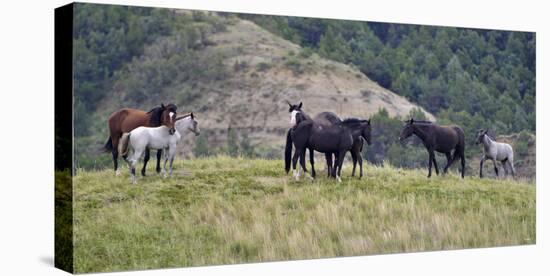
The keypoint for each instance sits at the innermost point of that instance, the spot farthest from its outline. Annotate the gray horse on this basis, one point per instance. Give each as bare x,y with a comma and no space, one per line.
495,151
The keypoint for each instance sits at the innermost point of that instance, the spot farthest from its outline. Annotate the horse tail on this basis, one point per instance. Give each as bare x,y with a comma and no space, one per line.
108,147
460,147
288,151
123,145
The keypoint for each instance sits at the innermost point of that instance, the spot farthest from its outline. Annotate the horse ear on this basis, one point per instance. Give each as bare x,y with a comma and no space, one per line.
162,105
192,116
411,121
300,105
368,121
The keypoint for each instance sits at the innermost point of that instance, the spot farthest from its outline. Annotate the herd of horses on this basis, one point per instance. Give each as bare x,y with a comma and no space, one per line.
133,133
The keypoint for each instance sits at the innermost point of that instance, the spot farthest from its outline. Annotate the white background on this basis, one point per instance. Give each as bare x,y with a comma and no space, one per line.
27,126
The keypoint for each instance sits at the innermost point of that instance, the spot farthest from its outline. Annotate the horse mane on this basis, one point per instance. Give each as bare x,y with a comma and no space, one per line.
171,107
183,116
156,113
422,122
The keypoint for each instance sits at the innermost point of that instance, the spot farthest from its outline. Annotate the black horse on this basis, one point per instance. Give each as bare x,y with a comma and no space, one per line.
329,118
442,139
297,116
326,119
329,139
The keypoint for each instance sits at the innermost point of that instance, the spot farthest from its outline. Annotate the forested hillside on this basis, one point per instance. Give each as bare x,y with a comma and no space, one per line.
108,37
486,76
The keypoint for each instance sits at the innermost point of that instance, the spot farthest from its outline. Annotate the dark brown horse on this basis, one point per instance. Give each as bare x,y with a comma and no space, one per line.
442,139
127,119
329,118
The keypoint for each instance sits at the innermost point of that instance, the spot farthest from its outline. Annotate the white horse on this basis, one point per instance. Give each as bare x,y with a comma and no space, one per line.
187,123
134,143
495,151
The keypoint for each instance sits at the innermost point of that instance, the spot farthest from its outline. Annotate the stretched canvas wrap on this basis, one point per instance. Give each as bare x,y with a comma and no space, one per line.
192,138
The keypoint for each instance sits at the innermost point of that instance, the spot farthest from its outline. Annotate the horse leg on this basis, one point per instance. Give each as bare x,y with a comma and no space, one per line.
159,156
172,154
511,162
328,158
504,163
354,158
360,159
115,160
449,162
133,172
341,156
165,161
171,163
114,152
435,165
495,165
303,162
430,159
334,168
297,154
132,161
483,158
462,163
312,161
145,160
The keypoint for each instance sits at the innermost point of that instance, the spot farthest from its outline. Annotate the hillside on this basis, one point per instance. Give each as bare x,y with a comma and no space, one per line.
225,210
261,72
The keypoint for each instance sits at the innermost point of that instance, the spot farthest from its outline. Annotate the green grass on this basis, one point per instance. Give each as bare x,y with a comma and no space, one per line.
226,211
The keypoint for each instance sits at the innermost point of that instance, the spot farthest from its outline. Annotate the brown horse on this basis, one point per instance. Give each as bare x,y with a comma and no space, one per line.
127,119
442,139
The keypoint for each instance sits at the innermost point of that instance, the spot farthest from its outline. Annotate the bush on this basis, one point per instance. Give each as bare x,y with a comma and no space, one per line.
295,66
521,145
263,66
306,52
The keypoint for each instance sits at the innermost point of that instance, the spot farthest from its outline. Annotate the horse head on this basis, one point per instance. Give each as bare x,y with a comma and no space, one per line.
194,125
366,131
168,119
190,124
294,110
480,135
408,130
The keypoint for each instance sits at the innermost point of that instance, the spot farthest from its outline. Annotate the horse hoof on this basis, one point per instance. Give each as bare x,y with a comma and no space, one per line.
117,173
338,179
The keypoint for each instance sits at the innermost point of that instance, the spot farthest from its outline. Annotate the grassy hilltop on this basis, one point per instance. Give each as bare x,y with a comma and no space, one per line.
226,210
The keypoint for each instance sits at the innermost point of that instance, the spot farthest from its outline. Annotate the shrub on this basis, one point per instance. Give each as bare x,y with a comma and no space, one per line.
263,66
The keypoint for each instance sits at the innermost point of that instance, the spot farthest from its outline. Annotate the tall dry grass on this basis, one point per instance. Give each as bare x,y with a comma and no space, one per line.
226,210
